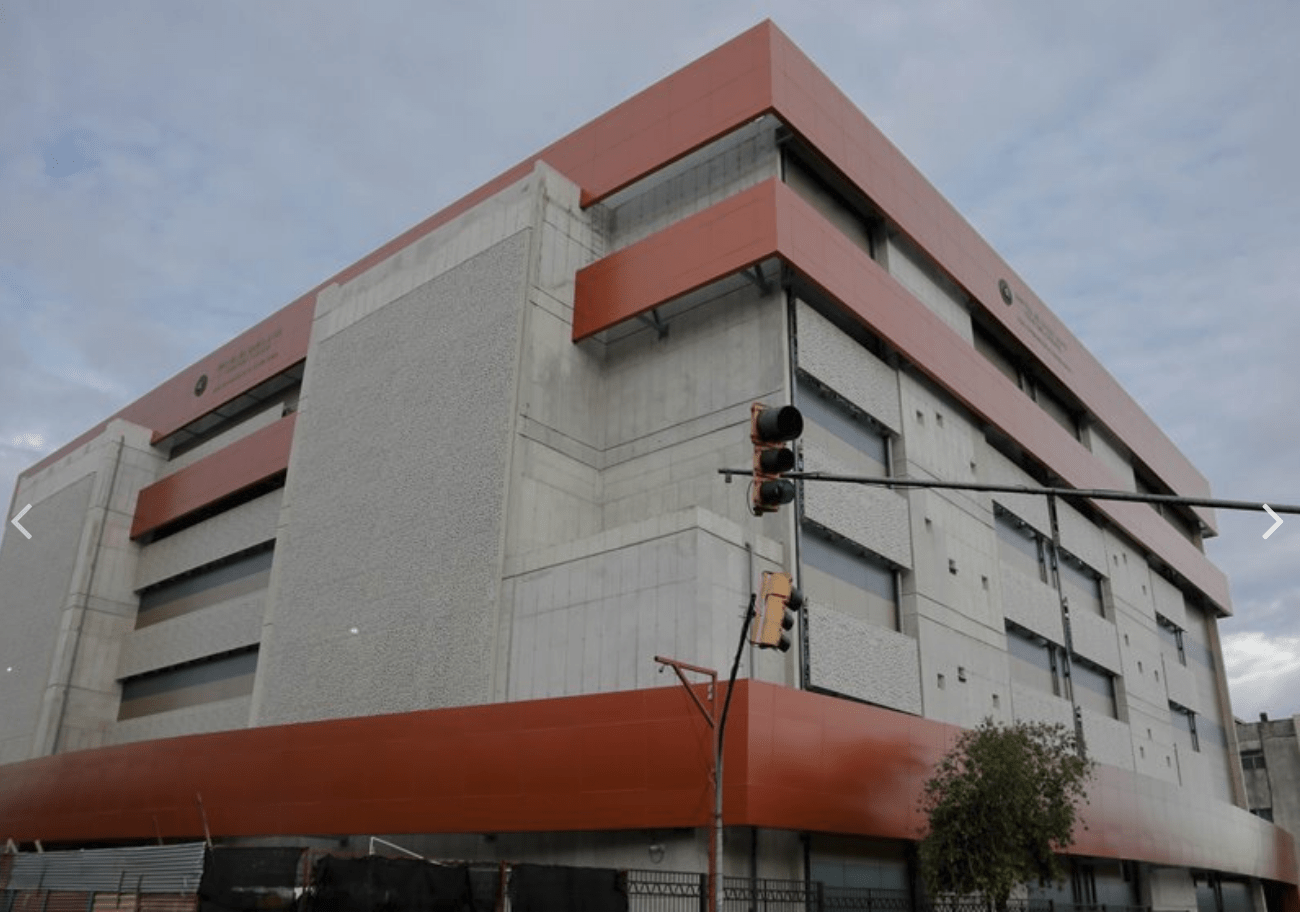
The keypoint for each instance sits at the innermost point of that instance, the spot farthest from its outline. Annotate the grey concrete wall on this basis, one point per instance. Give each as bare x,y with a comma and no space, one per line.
384,591
1169,890
249,524
75,603
846,367
704,178
36,586
863,660
589,616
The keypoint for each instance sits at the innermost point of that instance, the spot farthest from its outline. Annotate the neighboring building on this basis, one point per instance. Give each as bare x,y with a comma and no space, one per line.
398,559
1270,762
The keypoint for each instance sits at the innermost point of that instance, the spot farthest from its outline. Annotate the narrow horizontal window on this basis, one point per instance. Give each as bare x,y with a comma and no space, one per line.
219,677
221,581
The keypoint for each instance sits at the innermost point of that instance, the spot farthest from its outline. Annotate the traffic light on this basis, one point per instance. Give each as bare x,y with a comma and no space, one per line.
769,430
778,602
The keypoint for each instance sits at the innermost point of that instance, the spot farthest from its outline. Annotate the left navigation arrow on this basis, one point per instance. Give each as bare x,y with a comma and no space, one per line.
17,524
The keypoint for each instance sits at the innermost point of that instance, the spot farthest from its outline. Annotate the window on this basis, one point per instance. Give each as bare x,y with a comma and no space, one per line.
1172,635
1034,660
1252,760
218,677
1081,585
1019,545
854,438
1094,687
837,572
1263,813
220,581
1184,721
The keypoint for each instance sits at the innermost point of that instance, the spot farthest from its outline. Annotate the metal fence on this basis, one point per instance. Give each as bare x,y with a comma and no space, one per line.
673,891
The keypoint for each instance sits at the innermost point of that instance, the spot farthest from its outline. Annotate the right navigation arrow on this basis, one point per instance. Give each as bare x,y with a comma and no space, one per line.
1277,521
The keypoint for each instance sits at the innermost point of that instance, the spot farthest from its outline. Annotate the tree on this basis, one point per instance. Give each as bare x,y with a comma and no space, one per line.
1000,806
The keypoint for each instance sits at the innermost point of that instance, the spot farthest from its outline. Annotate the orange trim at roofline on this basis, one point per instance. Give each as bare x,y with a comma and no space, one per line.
627,760
761,71
771,220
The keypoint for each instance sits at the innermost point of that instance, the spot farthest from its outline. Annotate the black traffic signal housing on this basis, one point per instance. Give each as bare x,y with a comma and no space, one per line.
770,429
778,603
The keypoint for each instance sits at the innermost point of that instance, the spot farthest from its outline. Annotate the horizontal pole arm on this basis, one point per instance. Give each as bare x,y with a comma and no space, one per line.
1082,493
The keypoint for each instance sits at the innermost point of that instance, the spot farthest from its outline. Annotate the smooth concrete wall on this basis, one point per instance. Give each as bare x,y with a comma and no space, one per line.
590,616
1169,890
384,591
34,591
677,409
78,603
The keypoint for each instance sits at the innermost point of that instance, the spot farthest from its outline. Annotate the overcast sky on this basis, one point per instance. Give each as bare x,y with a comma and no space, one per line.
172,172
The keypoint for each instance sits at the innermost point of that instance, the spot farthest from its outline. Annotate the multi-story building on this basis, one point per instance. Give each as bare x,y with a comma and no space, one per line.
1270,762
398,559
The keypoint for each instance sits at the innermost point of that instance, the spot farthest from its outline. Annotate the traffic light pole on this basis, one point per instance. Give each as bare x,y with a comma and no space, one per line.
718,722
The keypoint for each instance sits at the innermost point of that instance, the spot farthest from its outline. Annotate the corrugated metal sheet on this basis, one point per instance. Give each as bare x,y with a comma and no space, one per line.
137,869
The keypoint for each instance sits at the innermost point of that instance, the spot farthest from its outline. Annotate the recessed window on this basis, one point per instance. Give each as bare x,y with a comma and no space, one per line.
854,437
1252,760
838,573
1184,721
1020,546
219,677
229,578
1172,636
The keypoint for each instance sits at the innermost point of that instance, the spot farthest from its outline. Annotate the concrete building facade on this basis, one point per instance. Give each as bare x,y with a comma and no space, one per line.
397,560
1270,763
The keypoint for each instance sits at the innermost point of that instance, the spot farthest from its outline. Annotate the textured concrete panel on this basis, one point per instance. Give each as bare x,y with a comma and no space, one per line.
1031,603
1030,705
861,660
1095,639
217,628
875,518
1109,740
31,603
222,715
846,367
395,501
226,533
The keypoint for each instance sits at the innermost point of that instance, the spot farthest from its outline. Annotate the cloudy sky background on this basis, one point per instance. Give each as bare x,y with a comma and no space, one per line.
171,173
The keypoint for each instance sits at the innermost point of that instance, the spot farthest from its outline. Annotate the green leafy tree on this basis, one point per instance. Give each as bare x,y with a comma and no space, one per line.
1000,806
